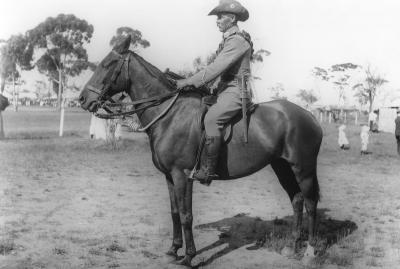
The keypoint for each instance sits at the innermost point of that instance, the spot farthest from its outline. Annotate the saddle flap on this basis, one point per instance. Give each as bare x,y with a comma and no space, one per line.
210,100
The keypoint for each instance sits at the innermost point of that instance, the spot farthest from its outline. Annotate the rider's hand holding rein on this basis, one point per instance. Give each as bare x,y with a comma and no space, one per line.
182,83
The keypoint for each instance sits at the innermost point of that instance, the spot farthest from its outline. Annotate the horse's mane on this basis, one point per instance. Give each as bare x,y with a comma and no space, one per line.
166,77
154,71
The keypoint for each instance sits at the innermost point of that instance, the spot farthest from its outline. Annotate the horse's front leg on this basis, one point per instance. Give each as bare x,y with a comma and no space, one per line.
177,240
183,188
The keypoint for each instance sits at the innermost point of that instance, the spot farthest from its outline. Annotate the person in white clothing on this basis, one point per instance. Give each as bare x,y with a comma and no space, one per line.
342,140
372,116
364,139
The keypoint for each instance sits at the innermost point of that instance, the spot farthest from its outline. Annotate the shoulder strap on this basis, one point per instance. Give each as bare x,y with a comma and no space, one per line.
243,34
247,37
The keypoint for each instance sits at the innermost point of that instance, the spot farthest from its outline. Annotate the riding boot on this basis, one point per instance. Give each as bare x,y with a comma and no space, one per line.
207,171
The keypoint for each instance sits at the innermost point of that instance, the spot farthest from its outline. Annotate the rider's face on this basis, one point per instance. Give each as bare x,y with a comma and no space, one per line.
225,21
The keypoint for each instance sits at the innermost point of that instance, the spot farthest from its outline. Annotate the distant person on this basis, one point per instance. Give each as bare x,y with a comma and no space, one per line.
397,131
342,140
372,120
335,117
364,135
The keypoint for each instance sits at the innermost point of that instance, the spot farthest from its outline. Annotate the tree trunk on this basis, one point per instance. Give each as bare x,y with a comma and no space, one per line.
62,114
59,89
15,96
1,126
2,86
371,101
60,102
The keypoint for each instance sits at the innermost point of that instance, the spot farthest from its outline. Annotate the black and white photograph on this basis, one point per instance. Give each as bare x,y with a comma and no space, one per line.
215,134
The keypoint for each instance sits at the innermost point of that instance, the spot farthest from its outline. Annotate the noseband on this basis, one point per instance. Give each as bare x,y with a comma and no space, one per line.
108,107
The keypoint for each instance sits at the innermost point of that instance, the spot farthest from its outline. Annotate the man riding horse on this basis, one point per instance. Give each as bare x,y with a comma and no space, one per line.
232,66
291,147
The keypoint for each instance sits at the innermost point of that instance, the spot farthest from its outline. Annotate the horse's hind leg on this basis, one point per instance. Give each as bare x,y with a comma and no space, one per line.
308,183
288,181
177,240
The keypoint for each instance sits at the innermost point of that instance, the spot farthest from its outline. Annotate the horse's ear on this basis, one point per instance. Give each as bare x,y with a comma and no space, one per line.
122,44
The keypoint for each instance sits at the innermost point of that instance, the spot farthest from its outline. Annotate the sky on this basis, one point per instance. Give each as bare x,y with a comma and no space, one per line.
300,34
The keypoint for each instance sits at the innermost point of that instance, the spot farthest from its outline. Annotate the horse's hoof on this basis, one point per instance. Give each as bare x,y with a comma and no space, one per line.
309,255
172,253
186,261
287,252
310,251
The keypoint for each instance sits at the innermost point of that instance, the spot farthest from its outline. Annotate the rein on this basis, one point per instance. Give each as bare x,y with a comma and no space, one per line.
108,107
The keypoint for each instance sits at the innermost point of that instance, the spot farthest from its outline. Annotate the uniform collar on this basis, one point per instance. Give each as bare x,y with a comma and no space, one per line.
234,29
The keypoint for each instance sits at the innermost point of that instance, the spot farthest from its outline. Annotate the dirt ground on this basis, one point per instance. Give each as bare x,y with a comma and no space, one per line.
73,202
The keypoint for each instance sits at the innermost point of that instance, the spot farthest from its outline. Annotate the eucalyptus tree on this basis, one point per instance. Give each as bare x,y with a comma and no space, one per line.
307,96
137,40
340,75
60,43
368,89
277,92
15,56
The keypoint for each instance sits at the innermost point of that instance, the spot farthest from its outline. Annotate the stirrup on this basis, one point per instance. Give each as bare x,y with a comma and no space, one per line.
207,181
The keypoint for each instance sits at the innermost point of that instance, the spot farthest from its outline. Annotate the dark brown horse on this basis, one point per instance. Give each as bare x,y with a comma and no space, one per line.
280,133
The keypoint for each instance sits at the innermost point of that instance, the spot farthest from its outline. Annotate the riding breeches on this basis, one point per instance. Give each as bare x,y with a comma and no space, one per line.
227,106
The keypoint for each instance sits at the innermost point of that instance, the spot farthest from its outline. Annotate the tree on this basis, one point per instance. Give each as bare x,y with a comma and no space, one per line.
259,55
137,40
367,91
307,96
278,92
338,75
62,40
15,55
41,89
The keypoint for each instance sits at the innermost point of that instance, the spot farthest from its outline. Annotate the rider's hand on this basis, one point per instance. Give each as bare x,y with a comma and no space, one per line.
182,83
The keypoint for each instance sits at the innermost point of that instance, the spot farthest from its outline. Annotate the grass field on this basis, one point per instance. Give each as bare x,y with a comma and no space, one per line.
72,202
43,122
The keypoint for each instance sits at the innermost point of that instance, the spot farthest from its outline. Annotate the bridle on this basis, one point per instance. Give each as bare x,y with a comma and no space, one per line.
109,107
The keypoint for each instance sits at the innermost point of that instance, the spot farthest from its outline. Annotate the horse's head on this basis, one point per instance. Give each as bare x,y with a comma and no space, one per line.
109,78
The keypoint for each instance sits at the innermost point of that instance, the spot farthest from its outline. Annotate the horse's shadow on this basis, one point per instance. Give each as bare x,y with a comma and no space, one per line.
242,230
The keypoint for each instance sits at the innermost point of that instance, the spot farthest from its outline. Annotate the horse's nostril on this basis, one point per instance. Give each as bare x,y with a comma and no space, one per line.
81,99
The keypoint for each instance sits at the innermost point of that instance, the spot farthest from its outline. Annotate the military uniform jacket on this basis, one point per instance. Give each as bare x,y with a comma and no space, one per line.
233,60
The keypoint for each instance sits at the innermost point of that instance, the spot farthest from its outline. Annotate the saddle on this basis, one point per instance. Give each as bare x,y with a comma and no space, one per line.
206,102
209,100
